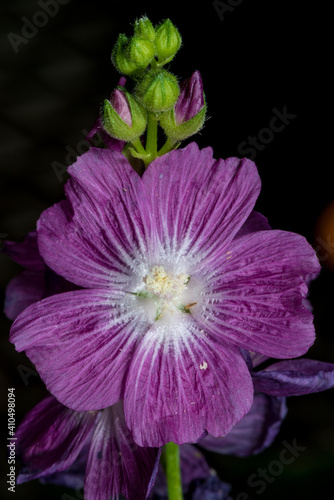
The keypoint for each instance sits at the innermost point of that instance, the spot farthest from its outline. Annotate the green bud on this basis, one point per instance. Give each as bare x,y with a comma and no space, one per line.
135,117
121,60
185,130
167,41
158,90
143,28
140,51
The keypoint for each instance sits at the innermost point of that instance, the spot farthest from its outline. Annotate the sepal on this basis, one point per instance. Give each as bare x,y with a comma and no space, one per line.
143,28
185,130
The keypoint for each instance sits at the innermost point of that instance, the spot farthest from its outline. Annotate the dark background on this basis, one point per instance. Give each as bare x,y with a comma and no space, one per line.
262,55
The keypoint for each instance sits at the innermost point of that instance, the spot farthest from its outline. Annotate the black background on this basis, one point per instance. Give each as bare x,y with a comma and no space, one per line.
262,55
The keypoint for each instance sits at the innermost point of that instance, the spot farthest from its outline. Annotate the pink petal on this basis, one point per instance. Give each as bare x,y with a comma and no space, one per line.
51,437
191,99
255,432
255,295
295,377
182,383
95,237
255,222
198,203
114,221
81,344
22,291
121,105
25,253
116,464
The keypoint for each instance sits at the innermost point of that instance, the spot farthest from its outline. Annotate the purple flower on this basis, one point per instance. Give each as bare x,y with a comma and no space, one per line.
191,99
36,430
62,446
178,278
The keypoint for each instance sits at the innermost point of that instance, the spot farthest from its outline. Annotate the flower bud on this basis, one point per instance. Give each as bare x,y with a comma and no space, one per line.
120,58
143,28
121,82
158,90
167,41
188,115
140,51
120,104
123,117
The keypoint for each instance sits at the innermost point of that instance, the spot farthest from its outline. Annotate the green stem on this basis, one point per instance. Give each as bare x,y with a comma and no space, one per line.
152,136
173,472
166,147
139,147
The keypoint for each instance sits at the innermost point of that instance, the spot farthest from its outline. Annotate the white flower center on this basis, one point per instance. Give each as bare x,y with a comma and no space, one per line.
160,283
165,293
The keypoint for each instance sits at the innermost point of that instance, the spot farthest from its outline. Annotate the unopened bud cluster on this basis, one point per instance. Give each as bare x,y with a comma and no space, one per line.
148,45
180,109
